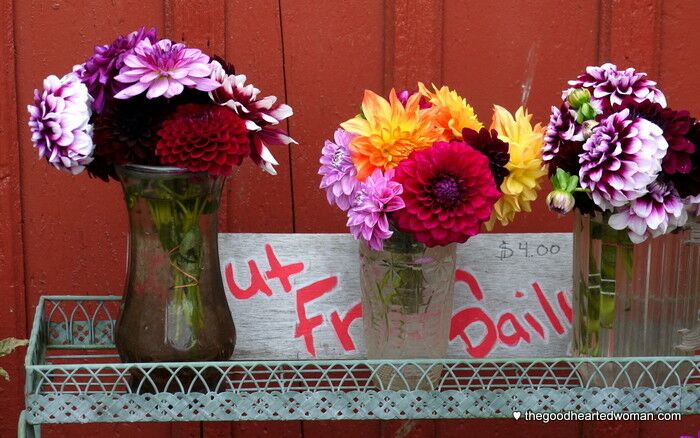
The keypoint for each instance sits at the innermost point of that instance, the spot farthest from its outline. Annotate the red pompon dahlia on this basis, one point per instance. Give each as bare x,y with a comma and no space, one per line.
449,192
201,137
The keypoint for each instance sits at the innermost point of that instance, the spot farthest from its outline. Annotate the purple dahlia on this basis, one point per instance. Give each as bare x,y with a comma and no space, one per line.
689,184
164,69
656,213
100,69
377,196
339,176
562,131
611,86
621,158
59,121
262,115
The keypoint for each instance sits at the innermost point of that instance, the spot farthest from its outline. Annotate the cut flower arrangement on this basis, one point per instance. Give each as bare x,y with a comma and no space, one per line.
630,167
143,106
424,165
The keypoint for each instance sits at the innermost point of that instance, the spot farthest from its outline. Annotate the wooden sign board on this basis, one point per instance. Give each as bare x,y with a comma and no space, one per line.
297,296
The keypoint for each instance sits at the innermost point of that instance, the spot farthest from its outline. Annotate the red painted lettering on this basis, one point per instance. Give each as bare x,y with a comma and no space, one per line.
465,318
280,272
341,326
306,325
535,324
519,333
548,310
257,282
565,306
469,279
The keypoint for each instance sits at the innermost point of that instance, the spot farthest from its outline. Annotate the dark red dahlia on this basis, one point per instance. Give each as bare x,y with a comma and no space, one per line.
126,133
495,149
689,184
201,137
448,191
675,125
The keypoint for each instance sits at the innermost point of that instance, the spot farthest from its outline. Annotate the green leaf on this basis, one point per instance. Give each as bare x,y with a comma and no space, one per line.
191,243
8,345
573,184
4,374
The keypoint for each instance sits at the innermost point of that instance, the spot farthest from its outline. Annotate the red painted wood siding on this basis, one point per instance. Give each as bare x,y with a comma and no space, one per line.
61,234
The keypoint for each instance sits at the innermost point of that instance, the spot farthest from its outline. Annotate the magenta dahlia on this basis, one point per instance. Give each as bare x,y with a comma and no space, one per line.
611,86
203,138
449,192
59,121
103,66
338,173
659,211
376,197
262,115
621,158
164,69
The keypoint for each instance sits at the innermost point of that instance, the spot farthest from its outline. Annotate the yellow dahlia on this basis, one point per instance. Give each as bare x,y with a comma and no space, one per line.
387,132
454,113
520,187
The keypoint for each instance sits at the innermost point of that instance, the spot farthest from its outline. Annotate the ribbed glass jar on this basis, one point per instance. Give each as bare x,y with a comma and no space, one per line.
635,299
407,301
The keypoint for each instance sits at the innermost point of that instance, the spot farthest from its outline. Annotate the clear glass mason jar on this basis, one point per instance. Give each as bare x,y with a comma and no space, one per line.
174,307
635,299
407,302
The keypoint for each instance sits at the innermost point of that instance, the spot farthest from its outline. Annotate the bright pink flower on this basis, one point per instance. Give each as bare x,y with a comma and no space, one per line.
449,192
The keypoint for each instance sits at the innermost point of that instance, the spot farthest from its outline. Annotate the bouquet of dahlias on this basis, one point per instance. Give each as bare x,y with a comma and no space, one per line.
422,164
148,101
614,148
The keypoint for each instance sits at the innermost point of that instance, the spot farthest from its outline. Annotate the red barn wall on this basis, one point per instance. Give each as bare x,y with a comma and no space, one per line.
61,234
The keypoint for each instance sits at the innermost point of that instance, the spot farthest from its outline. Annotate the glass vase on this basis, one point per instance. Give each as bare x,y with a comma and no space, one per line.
635,299
407,300
174,307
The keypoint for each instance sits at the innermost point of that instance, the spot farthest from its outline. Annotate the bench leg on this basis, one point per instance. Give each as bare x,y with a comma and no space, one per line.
26,430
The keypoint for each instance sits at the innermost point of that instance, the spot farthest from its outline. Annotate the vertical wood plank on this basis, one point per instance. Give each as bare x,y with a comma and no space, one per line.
74,228
259,202
331,55
12,299
413,43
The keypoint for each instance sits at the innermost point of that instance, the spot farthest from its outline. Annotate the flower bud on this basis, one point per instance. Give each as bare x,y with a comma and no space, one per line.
560,201
578,97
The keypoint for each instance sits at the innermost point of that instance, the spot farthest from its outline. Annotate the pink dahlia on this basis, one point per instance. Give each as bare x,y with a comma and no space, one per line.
60,123
164,69
621,158
377,196
449,191
103,66
611,86
262,115
659,211
339,176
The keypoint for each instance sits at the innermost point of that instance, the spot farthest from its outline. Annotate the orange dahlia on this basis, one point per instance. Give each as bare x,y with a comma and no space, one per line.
387,131
454,113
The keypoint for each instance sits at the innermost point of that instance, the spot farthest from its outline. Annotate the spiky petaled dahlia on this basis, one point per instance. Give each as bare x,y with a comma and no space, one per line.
261,115
449,192
488,143
126,132
525,141
339,176
100,69
688,185
659,211
376,197
389,132
454,114
203,138
675,126
59,121
621,158
611,86
164,69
